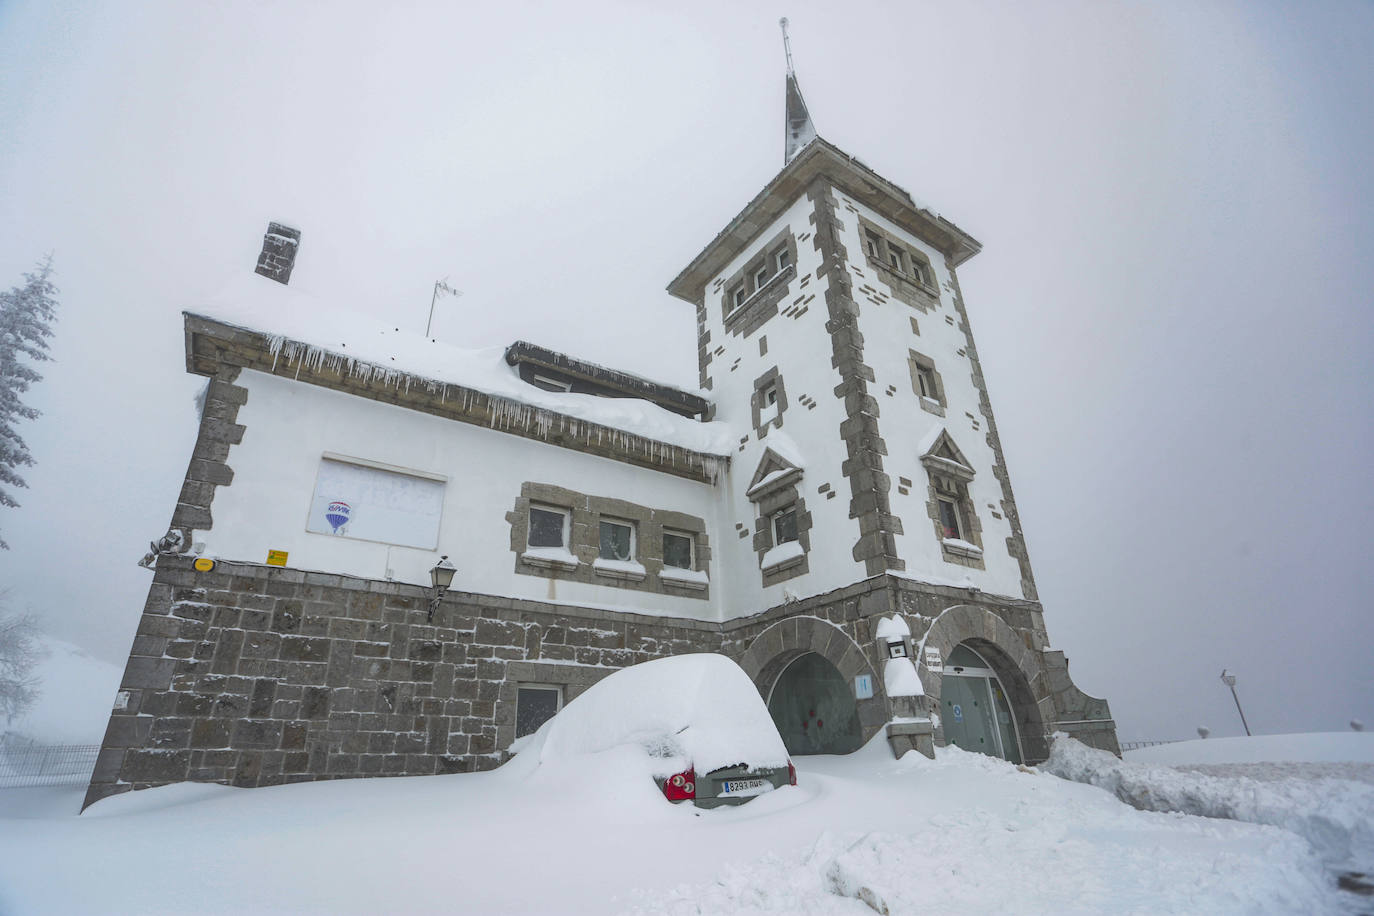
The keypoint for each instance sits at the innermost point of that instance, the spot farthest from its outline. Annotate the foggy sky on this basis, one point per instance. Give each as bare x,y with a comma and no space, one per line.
1172,306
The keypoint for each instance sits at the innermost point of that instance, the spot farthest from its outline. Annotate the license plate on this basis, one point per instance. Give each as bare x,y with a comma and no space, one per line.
731,786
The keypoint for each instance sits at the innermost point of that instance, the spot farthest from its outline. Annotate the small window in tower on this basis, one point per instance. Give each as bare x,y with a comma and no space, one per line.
617,541
768,403
677,550
736,297
785,525
781,258
874,243
951,523
761,276
925,382
896,257
918,271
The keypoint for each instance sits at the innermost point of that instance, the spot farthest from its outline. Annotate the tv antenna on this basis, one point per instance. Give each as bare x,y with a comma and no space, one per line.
440,286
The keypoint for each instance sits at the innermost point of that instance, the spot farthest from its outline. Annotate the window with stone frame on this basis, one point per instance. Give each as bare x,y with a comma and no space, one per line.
678,550
548,527
768,402
781,530
903,265
950,504
753,292
600,540
926,383
617,540
536,704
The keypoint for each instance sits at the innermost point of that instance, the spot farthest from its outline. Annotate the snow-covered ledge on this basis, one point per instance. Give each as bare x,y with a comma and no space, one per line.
627,570
788,553
684,578
962,547
550,557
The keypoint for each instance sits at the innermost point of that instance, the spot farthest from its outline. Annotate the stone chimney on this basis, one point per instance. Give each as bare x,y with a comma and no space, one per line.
278,252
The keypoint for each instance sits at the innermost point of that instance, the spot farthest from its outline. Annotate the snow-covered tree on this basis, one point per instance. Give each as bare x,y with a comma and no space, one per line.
26,316
20,651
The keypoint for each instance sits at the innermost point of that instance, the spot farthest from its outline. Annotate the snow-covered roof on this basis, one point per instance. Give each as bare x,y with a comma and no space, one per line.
287,327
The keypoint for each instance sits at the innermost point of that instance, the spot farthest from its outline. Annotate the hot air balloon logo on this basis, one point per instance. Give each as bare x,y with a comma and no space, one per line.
337,514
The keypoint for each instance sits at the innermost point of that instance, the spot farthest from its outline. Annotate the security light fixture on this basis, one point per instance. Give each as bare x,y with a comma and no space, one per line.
440,577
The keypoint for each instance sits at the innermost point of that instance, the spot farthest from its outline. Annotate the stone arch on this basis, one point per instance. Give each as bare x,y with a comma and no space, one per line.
1018,668
781,643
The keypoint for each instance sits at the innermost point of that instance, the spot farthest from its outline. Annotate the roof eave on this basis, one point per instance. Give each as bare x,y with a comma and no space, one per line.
821,159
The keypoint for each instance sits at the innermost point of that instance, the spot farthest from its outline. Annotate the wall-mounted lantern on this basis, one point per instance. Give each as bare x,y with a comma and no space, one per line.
896,648
440,577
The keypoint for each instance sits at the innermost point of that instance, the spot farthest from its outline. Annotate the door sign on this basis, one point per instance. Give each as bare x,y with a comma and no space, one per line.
935,664
958,713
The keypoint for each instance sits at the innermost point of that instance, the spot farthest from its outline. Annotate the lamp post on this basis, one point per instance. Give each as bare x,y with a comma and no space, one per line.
1230,681
440,577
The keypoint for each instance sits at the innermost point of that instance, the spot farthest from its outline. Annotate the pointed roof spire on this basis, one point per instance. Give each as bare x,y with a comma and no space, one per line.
800,130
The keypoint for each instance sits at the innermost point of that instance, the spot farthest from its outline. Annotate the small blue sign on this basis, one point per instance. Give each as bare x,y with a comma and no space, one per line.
337,514
958,713
863,687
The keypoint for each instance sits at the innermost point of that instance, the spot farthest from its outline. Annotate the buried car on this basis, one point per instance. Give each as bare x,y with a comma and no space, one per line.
706,735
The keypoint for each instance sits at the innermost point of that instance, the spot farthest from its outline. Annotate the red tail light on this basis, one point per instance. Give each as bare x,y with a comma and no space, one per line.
791,774
681,786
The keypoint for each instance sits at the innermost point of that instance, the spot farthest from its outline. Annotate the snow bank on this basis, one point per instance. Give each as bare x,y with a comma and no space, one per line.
1317,747
987,837
75,693
1336,816
699,708
304,329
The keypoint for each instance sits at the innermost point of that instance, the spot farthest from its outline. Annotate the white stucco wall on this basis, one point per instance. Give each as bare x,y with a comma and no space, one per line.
888,338
800,348
289,426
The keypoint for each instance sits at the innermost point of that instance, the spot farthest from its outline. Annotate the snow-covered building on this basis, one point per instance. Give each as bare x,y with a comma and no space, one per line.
832,509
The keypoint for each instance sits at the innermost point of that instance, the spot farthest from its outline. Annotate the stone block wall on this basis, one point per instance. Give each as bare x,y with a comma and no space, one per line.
250,675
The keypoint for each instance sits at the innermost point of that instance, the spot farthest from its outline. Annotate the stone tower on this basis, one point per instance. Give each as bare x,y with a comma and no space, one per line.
831,326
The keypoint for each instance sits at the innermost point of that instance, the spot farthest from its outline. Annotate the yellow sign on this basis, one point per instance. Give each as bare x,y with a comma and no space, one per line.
276,558
204,564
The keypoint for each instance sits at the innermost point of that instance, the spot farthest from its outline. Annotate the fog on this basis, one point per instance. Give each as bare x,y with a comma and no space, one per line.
1172,306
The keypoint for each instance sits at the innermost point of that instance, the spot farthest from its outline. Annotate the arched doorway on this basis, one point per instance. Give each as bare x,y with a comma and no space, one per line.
814,709
974,710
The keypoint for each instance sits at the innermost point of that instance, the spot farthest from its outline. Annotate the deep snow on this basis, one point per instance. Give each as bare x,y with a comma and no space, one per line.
589,834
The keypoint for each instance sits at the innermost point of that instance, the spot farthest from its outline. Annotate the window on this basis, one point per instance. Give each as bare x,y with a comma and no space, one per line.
781,258
918,271
785,525
549,384
737,296
951,525
548,527
617,541
951,506
371,501
762,276
925,381
873,242
677,550
895,257
535,704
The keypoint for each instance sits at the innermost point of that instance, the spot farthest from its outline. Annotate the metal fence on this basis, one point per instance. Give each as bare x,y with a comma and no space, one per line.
46,764
1137,745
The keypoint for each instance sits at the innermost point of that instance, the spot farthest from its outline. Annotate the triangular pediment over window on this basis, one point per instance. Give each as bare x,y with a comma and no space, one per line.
774,471
944,455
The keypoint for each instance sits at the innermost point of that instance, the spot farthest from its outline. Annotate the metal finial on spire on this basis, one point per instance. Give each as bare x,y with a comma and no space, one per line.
786,44
800,131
